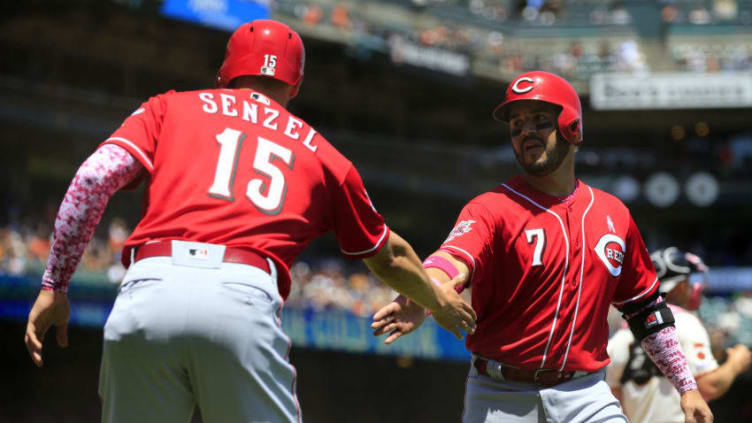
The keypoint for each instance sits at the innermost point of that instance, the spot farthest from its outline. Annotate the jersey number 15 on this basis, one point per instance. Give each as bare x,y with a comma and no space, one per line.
268,201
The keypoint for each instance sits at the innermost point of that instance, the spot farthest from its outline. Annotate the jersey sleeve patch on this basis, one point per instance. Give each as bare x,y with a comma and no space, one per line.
472,238
460,229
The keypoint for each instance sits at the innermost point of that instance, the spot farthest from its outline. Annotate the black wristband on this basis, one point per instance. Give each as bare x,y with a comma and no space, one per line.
651,320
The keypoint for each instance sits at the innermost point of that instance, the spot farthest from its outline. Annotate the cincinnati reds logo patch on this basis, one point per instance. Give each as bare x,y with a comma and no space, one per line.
611,249
461,229
522,90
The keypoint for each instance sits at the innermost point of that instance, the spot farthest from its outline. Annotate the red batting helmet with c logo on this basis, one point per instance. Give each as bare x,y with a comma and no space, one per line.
265,48
545,86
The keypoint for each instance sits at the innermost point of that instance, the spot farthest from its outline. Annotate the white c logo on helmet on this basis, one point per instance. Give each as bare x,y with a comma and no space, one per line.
519,90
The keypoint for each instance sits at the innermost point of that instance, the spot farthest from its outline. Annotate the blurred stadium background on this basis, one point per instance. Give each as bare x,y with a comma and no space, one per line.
405,89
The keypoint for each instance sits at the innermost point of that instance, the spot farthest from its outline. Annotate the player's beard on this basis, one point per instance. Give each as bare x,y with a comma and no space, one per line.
554,157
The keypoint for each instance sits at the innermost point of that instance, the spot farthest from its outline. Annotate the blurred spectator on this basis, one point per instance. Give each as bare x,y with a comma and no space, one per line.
118,233
550,12
96,257
725,9
13,250
604,53
669,13
489,9
434,36
340,16
619,14
712,64
39,244
629,58
699,16
312,15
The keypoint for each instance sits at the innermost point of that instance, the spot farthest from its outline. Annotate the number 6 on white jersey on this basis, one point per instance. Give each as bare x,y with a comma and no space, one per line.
540,242
270,203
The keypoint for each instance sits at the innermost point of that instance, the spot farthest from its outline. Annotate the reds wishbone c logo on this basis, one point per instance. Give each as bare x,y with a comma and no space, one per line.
516,87
610,256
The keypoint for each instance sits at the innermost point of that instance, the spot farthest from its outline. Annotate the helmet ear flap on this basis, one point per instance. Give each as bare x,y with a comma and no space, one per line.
296,88
570,126
576,129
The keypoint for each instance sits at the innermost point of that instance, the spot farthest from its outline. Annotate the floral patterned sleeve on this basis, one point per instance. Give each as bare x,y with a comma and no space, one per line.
664,349
108,169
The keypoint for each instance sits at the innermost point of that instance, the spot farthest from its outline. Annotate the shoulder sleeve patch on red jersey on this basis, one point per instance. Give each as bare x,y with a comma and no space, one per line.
471,239
140,131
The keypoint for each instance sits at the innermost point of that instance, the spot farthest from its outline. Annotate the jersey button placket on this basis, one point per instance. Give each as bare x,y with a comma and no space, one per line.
573,234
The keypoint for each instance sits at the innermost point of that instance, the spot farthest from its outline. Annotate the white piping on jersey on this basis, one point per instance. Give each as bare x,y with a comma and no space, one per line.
579,288
381,238
148,162
563,277
472,271
643,293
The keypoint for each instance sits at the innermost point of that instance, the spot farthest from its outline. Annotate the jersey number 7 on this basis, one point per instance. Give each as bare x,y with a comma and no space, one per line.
268,201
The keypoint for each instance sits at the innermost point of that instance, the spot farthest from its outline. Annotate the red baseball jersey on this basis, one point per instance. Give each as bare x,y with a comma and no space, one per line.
544,270
233,167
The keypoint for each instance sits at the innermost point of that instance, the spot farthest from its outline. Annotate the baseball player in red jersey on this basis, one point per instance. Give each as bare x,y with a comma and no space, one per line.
545,254
236,188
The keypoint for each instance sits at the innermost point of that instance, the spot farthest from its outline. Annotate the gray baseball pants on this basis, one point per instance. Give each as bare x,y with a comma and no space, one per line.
182,336
586,399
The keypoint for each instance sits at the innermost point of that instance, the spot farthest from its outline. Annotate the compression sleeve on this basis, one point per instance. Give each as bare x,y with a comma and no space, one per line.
664,349
108,169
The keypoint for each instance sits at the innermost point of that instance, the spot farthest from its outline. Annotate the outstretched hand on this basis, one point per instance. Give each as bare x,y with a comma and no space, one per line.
695,408
403,316
50,308
398,318
455,314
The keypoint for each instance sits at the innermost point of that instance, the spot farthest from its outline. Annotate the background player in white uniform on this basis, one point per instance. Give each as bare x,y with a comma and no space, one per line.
645,394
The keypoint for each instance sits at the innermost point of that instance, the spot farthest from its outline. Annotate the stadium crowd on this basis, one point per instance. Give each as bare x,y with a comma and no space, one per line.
467,28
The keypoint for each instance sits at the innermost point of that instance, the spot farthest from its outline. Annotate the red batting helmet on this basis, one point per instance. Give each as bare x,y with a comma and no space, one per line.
544,86
266,48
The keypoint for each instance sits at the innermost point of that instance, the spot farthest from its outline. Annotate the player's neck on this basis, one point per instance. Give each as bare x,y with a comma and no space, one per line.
278,92
558,183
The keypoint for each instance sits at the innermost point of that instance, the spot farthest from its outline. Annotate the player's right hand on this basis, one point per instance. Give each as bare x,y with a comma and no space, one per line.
454,313
695,408
741,356
397,318
50,308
